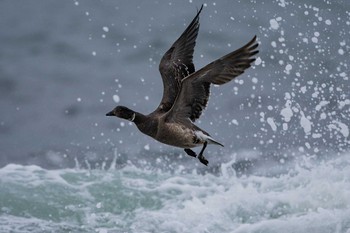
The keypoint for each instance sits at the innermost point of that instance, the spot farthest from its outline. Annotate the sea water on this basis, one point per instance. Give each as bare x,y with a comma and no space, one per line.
312,196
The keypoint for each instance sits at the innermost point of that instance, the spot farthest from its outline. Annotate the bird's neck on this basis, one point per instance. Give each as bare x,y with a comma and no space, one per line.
138,118
146,124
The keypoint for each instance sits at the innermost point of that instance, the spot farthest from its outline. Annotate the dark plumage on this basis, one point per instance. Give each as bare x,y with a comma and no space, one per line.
186,92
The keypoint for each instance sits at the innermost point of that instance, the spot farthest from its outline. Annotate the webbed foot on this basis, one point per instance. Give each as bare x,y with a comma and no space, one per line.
191,153
203,160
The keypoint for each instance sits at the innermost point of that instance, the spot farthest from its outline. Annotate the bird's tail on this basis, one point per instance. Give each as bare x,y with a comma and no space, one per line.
206,137
212,141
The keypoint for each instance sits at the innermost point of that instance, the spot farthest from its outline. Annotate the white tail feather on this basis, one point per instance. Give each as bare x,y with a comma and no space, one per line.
207,138
212,141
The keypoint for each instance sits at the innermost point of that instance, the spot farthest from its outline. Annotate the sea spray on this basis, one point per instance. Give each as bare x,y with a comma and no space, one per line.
312,196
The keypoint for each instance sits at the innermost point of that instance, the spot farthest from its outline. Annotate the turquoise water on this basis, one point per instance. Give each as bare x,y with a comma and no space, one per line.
312,196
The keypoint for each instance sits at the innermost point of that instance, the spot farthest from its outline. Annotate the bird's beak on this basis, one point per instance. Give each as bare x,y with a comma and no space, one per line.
110,114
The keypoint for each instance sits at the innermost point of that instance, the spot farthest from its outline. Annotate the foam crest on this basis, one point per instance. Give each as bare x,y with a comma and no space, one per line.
135,199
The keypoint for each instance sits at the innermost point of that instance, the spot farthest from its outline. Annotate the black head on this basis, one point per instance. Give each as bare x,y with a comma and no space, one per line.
122,112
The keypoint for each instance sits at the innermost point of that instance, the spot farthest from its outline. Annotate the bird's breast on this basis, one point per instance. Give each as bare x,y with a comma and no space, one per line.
177,135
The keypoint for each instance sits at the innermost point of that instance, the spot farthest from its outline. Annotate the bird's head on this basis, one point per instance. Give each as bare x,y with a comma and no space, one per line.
123,112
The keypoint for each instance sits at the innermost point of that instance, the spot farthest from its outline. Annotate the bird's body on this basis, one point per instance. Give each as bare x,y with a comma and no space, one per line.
182,135
186,93
172,133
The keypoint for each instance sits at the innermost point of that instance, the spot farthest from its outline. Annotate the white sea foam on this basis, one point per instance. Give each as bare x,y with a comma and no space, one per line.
309,197
271,122
274,24
305,123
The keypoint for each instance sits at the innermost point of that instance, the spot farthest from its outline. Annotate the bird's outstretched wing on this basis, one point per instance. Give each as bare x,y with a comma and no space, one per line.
177,64
195,89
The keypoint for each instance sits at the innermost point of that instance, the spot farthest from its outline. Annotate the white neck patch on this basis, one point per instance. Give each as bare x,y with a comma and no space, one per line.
133,117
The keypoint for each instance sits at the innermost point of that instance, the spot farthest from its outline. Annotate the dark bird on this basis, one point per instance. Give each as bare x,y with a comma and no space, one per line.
186,92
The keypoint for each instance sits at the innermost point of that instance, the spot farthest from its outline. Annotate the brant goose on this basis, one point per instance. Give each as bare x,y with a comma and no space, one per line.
186,92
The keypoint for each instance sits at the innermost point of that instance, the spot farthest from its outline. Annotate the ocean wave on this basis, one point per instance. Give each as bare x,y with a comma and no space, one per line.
310,197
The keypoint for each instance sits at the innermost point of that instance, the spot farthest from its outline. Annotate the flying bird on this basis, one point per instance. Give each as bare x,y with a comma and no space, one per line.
186,93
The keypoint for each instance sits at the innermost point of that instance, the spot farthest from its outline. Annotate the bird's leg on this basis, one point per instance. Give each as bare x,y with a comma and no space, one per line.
201,158
191,153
